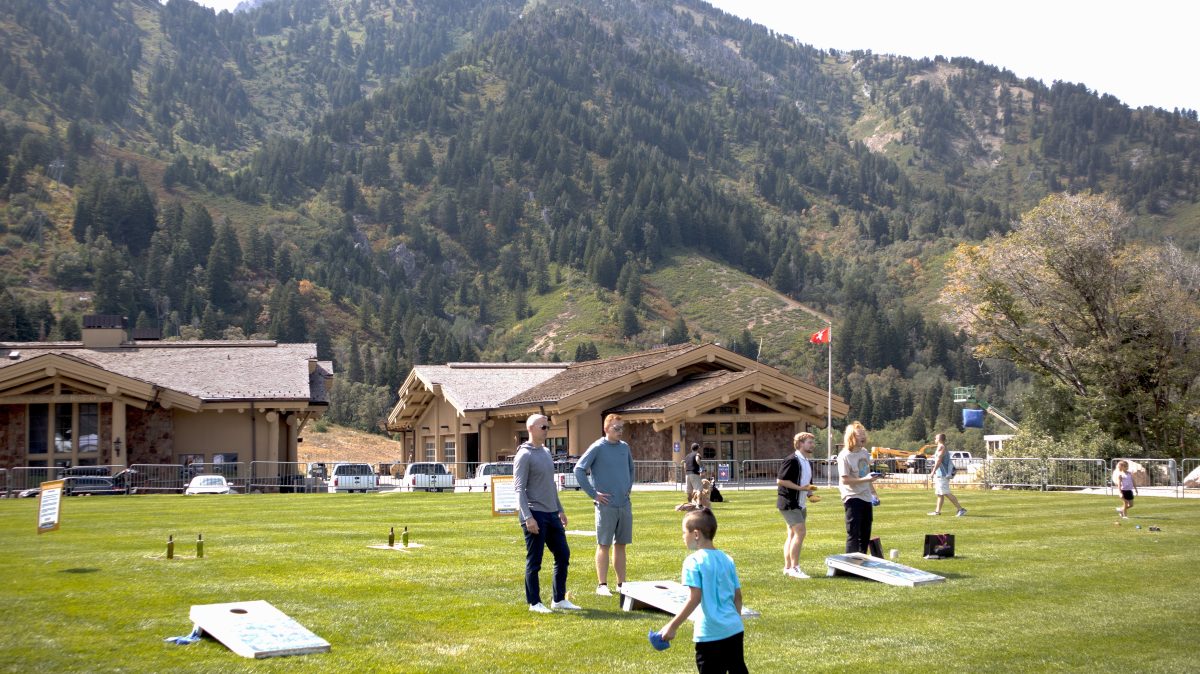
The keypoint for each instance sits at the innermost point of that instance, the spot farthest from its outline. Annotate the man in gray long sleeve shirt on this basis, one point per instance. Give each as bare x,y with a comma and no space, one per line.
610,464
542,516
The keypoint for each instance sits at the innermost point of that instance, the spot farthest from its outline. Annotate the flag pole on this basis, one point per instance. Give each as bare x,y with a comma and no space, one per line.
829,394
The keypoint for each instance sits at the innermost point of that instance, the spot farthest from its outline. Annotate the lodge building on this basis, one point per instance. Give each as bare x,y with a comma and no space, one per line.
735,407
118,399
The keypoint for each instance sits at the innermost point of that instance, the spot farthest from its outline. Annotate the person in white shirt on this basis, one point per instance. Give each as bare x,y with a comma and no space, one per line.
856,484
794,484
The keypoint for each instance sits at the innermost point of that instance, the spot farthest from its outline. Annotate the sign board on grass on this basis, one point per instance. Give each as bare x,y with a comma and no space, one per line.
504,495
882,570
49,505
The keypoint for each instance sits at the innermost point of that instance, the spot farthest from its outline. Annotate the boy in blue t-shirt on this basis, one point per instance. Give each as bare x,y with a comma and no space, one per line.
712,579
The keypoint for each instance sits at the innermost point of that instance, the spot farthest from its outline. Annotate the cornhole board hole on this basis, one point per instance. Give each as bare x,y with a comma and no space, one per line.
255,629
882,570
664,595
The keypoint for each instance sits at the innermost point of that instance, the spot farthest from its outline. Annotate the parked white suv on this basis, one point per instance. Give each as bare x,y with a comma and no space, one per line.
351,477
427,476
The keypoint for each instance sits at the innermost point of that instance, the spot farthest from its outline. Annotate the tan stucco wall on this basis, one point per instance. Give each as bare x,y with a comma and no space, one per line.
211,433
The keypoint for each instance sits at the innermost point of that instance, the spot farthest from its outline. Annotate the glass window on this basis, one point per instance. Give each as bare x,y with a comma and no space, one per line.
557,446
709,429
39,428
450,449
709,452
743,428
430,452
89,425
62,428
725,428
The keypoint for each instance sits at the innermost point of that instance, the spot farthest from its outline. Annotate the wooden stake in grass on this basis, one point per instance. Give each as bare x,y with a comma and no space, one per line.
171,547
199,546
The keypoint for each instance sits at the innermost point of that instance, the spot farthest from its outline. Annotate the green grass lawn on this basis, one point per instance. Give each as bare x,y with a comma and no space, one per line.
1044,581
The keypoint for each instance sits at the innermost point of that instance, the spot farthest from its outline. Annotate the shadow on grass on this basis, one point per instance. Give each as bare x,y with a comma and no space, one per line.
80,570
598,614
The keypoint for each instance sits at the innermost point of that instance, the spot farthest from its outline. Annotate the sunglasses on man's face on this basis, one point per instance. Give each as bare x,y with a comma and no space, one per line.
544,427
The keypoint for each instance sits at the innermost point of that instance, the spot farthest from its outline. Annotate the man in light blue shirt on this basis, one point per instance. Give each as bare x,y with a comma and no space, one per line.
605,472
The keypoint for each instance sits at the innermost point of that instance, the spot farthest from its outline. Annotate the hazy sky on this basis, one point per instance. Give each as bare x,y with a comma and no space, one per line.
1141,52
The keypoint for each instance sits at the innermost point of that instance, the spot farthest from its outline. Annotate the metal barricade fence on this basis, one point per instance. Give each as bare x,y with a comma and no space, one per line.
160,478
1189,481
285,477
760,472
4,482
1160,473
1013,472
660,473
28,477
1075,473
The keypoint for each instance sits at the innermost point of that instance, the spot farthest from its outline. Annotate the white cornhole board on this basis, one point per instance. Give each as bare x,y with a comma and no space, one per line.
580,532
882,570
664,595
255,629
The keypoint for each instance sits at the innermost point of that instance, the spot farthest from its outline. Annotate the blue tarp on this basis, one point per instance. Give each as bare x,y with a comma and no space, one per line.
972,418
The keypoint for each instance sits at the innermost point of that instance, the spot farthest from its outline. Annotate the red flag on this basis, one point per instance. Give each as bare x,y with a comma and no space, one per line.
820,336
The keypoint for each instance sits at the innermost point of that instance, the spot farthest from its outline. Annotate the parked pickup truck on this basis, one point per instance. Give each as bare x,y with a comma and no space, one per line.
484,473
427,476
351,477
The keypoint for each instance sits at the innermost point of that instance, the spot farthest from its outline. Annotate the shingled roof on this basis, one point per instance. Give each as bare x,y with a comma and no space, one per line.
687,389
579,377
478,386
207,370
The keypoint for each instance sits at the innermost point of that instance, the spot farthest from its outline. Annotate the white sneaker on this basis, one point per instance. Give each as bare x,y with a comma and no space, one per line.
565,605
1119,511
795,572
539,608
934,514
961,512
603,590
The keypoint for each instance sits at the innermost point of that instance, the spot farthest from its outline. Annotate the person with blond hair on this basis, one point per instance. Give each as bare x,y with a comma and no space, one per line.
605,472
856,484
794,483
1123,480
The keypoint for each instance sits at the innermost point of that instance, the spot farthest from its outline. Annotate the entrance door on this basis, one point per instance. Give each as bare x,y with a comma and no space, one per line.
471,440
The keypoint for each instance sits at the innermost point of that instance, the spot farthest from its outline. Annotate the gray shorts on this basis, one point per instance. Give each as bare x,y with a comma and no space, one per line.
794,517
614,524
693,482
941,486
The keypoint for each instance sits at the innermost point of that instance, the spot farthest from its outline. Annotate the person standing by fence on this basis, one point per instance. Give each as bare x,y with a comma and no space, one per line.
856,484
693,471
940,474
794,484
1123,480
605,472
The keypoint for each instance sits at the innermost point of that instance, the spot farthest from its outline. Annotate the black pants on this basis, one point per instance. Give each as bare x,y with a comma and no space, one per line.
550,535
859,514
721,656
